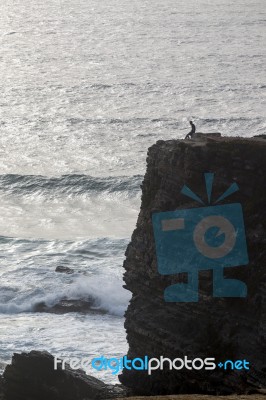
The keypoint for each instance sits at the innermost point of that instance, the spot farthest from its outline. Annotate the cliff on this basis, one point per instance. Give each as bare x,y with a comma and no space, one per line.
221,327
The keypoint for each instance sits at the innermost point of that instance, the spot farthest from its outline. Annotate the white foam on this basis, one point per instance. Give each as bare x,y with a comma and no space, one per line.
106,291
106,215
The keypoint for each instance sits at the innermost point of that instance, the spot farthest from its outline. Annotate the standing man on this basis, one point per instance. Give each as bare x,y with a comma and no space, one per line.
193,130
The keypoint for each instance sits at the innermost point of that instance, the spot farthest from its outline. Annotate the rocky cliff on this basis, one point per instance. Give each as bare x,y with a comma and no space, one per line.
220,327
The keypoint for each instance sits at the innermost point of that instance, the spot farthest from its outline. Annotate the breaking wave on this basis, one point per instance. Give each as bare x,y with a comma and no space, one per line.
101,292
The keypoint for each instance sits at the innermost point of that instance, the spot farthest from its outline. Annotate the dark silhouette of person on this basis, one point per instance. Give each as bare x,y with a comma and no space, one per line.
191,133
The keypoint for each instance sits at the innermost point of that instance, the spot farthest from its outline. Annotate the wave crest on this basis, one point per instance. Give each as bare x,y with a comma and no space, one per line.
99,293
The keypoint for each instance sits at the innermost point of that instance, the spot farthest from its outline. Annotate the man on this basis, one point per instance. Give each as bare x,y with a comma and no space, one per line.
191,133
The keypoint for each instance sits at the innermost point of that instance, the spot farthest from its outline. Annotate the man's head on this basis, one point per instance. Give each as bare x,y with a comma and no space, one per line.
190,122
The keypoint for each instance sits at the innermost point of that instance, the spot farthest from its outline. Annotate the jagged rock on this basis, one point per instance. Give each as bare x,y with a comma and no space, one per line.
69,305
262,136
224,328
31,376
65,270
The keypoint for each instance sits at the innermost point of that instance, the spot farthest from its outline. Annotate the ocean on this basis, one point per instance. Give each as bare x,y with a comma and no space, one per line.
86,87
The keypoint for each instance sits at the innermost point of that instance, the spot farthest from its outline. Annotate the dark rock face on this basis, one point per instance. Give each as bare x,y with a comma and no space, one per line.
32,376
64,270
224,328
68,305
200,135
